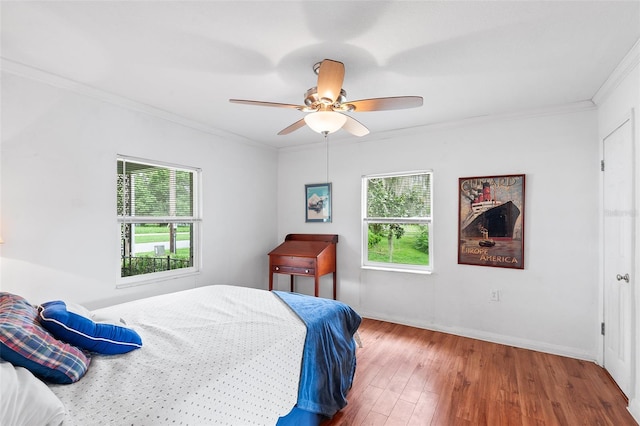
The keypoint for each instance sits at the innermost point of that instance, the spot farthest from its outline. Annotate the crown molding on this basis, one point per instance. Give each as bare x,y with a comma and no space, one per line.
569,108
32,73
26,71
624,68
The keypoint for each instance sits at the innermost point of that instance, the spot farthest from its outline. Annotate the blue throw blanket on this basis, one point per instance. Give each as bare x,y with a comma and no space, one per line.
329,356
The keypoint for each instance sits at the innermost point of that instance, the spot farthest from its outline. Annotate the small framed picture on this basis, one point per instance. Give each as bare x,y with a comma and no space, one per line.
318,202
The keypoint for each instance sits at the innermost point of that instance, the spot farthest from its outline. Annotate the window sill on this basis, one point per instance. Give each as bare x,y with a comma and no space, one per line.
398,269
146,280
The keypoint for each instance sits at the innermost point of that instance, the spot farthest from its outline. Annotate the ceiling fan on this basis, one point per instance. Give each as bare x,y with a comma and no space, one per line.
327,102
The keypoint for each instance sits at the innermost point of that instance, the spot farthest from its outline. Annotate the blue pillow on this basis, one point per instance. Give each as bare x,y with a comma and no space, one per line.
25,343
80,331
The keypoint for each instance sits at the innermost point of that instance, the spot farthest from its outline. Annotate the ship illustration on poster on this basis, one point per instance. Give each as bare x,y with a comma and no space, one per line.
491,219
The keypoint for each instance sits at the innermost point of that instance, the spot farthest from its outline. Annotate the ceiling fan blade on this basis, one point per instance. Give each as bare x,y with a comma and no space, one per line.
354,127
295,126
267,104
384,104
330,78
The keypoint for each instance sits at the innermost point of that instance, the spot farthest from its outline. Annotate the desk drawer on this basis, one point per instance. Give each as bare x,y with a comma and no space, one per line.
295,270
298,262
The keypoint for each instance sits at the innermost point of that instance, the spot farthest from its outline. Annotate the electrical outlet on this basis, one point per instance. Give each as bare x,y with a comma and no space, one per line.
494,295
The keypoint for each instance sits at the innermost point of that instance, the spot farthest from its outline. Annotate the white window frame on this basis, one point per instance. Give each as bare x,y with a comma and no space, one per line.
427,221
195,220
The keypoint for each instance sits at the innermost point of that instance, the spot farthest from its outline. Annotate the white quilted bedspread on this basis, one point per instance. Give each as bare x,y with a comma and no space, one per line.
216,355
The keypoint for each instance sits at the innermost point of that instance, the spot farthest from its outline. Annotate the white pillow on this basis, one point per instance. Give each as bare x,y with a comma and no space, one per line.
101,318
79,310
26,400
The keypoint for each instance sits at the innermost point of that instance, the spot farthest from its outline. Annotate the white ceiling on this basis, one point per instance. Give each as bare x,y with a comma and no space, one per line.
466,58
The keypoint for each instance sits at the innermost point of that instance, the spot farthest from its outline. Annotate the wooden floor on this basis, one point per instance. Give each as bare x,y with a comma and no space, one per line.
411,376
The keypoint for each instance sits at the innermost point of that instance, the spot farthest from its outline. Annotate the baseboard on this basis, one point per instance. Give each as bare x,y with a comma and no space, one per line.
634,409
491,337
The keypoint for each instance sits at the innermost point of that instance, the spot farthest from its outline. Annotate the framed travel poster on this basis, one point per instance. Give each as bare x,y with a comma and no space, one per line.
318,202
491,221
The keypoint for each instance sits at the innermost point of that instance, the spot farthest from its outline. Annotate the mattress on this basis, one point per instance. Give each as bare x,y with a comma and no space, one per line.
215,355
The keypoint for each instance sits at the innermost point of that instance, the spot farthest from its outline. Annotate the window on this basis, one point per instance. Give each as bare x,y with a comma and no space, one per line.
159,219
396,221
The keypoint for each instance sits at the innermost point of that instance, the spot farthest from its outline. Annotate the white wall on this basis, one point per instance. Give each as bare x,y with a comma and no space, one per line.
58,162
617,100
551,305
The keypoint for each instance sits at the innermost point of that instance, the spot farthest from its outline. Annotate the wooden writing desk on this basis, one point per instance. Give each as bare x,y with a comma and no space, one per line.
311,255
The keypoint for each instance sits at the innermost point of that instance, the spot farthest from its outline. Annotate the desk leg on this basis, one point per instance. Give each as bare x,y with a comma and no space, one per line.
334,284
317,284
270,280
291,283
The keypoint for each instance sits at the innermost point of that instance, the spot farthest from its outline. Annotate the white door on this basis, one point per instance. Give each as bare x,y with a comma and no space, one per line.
618,254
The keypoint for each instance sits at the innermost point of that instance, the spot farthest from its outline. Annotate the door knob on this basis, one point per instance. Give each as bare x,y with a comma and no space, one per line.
623,277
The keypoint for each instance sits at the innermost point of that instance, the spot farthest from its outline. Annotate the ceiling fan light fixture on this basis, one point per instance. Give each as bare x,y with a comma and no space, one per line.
325,121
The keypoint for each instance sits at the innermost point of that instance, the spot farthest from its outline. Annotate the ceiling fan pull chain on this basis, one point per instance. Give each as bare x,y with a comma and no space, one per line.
326,141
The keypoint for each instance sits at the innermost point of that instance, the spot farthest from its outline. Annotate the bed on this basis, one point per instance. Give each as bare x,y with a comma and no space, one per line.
220,355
